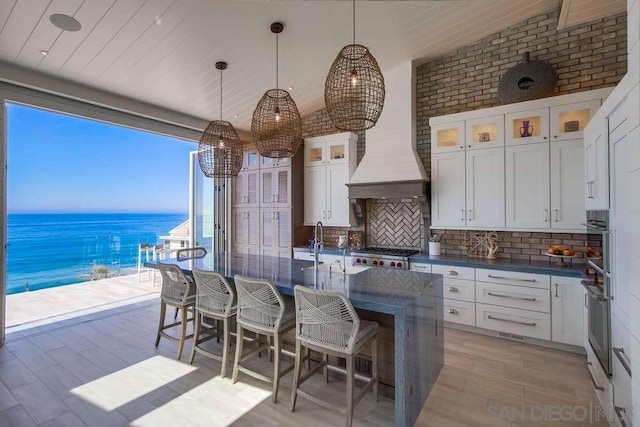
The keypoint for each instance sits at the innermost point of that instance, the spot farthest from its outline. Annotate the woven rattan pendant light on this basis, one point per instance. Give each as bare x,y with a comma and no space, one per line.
220,148
354,90
276,126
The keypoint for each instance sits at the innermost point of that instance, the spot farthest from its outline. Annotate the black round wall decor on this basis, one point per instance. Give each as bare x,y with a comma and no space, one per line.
526,81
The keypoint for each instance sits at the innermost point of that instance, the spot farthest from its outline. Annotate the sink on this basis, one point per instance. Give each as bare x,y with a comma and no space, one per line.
337,268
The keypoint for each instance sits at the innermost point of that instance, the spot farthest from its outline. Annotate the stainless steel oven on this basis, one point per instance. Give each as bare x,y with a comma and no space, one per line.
598,286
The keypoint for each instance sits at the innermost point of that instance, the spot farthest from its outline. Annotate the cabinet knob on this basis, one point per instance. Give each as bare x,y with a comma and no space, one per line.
452,311
452,273
544,137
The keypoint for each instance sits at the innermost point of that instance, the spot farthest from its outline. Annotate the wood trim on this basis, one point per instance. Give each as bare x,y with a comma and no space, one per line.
564,14
392,190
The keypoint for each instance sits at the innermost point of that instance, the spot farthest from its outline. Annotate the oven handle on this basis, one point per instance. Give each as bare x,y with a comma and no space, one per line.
595,267
587,284
593,380
595,227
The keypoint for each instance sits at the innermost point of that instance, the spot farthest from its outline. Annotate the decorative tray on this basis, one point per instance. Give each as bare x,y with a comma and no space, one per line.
561,262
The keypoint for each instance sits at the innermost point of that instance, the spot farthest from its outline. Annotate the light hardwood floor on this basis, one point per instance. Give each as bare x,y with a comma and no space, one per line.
106,371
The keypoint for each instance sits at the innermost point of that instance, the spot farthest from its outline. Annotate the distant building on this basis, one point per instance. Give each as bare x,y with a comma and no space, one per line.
178,237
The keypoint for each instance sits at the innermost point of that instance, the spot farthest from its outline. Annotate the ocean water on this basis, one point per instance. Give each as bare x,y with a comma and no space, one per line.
47,250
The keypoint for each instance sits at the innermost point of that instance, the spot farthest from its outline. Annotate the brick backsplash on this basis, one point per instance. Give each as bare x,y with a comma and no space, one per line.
586,57
528,246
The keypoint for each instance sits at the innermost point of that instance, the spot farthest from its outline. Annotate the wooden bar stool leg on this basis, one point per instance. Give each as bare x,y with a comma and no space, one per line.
325,359
350,381
374,366
163,313
226,347
196,334
308,352
277,343
296,375
236,362
183,332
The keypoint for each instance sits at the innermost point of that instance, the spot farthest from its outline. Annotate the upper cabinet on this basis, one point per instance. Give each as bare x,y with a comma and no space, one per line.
568,121
268,162
329,162
485,132
527,127
447,137
250,159
519,166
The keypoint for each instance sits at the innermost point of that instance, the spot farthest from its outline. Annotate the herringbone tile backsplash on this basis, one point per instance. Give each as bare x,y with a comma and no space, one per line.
394,224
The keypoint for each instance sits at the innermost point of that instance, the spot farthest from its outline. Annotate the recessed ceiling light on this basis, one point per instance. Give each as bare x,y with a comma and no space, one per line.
44,52
65,22
235,115
290,87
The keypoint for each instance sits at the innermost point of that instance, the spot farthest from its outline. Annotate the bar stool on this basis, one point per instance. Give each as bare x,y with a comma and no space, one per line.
144,251
327,323
177,291
262,310
214,299
189,253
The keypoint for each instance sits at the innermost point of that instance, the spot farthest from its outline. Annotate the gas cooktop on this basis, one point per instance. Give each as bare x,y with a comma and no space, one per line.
390,252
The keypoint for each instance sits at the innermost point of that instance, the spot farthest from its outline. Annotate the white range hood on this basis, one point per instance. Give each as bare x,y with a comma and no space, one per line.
391,167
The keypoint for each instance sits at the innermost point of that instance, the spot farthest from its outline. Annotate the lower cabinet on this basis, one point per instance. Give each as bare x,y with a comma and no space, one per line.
567,307
512,320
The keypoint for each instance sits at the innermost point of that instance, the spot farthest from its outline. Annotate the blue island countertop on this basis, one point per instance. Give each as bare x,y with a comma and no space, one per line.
413,299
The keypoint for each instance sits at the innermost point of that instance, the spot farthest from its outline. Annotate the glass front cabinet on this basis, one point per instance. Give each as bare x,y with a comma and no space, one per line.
527,127
447,137
485,132
568,121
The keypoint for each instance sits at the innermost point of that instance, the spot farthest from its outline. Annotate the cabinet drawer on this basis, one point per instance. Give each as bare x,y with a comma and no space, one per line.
513,278
459,312
462,290
464,273
621,382
420,267
513,296
601,383
620,341
302,255
513,320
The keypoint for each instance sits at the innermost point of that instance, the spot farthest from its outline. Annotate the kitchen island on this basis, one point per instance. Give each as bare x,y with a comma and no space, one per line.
407,304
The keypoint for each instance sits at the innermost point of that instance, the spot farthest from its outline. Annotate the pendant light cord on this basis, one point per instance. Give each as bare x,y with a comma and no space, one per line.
354,21
220,94
277,62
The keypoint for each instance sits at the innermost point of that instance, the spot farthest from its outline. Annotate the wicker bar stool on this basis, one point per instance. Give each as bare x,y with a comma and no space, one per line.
262,310
177,291
215,299
327,323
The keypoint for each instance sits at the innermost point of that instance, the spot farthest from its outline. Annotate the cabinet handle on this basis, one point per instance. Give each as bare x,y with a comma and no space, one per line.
622,356
461,214
452,273
517,322
328,214
452,311
544,137
556,290
470,217
555,136
453,289
557,214
493,294
546,215
593,380
621,413
491,276
323,215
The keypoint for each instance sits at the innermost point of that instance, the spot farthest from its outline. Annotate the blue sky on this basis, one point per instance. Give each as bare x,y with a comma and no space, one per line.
60,163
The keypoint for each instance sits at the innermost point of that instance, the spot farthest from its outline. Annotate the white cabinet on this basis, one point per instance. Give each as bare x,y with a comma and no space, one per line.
567,311
448,190
245,230
420,267
275,185
568,121
448,137
329,162
596,164
527,185
567,195
245,189
275,236
484,132
485,188
527,127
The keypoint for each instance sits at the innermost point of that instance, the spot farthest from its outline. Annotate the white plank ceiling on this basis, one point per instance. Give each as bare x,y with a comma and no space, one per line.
163,52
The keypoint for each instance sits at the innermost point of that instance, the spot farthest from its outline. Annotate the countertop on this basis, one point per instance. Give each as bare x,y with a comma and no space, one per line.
539,267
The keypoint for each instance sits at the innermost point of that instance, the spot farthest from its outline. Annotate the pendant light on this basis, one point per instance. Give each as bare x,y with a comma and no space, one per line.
354,90
276,126
220,148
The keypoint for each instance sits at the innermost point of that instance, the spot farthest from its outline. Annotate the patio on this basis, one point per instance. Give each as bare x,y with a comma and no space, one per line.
29,310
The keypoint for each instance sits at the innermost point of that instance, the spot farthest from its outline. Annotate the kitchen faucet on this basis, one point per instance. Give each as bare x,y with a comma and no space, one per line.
317,245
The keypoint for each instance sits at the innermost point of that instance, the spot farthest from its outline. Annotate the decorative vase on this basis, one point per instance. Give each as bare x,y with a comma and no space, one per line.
526,130
434,248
